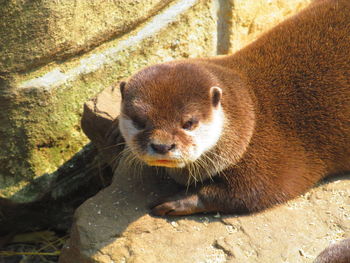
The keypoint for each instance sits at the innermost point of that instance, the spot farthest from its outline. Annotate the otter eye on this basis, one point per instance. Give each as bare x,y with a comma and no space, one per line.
139,124
190,124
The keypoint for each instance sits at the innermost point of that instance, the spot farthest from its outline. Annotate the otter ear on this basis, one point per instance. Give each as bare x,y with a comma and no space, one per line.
122,88
215,94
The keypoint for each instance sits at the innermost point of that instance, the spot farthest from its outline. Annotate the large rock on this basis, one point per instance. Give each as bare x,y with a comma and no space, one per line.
100,124
243,21
41,107
115,226
33,33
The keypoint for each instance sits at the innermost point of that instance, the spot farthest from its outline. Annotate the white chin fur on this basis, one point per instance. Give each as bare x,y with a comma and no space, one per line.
206,135
127,129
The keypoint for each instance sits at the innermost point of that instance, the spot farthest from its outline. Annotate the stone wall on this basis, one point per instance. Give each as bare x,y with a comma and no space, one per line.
54,55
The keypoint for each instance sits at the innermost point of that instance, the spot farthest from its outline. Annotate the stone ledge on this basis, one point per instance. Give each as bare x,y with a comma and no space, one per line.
34,33
114,226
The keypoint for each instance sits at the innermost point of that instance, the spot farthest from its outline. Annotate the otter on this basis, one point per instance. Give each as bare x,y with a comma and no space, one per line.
253,129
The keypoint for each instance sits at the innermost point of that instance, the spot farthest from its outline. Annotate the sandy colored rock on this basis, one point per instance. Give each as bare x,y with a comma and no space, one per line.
41,109
100,112
34,33
114,226
99,122
249,18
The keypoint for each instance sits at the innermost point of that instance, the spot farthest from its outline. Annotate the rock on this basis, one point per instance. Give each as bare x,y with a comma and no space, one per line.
100,123
248,19
100,112
41,107
74,182
34,33
115,226
123,211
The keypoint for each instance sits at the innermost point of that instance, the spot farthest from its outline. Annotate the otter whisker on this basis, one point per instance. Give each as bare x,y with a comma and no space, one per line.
191,174
114,161
207,167
201,168
132,161
113,145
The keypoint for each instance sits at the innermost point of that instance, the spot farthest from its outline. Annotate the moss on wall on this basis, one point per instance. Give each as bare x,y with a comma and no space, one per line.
42,112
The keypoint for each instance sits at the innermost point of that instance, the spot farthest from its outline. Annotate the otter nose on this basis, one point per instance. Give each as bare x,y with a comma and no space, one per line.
162,148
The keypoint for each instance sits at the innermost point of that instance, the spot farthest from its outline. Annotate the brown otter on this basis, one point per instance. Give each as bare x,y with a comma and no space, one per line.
255,128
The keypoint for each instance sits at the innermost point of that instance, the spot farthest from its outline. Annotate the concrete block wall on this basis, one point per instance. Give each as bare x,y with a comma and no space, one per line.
54,55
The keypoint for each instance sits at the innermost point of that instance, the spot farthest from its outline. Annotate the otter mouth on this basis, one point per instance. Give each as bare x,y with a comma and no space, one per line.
166,163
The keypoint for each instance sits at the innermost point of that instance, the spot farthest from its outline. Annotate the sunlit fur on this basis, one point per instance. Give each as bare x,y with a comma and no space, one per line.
206,135
128,130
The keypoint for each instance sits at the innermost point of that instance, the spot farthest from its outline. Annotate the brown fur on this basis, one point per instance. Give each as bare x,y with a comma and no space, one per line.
286,99
336,253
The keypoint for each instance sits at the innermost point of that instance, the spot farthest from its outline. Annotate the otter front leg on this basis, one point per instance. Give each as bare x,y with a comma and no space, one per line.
213,197
180,204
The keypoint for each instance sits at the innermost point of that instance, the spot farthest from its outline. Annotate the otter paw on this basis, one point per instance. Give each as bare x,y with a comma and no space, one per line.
169,208
185,206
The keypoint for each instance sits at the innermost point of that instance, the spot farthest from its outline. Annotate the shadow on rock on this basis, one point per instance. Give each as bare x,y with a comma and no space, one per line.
78,179
108,215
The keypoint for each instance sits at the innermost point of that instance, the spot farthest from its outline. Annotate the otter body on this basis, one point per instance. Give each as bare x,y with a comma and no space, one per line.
253,129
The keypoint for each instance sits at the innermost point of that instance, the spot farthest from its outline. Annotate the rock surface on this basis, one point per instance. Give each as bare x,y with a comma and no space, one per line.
41,107
100,123
243,21
34,33
115,226
253,17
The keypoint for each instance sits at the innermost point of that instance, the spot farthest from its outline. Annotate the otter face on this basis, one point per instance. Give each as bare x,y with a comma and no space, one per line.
168,121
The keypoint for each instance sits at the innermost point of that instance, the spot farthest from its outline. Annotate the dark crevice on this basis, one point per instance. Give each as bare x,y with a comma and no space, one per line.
224,24
77,180
227,252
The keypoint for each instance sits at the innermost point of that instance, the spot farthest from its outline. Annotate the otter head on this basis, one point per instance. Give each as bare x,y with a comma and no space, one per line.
171,114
